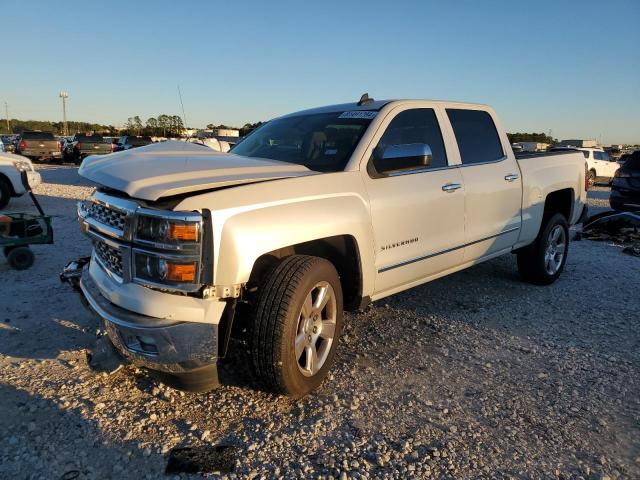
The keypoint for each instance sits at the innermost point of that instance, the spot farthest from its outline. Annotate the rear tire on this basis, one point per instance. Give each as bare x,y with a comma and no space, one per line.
297,322
5,193
20,258
542,262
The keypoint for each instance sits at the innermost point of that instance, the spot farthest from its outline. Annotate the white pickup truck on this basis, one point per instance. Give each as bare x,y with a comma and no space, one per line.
314,212
11,169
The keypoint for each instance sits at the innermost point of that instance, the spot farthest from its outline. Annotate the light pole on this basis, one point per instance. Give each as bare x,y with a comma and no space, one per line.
64,95
6,112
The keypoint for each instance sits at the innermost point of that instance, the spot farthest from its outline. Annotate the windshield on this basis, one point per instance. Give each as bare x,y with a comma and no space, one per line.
322,142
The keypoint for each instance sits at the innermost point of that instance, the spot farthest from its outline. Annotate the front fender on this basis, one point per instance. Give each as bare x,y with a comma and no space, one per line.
246,236
252,220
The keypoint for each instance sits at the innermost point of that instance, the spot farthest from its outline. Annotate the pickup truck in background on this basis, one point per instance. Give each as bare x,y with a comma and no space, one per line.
39,146
313,213
11,169
81,146
128,142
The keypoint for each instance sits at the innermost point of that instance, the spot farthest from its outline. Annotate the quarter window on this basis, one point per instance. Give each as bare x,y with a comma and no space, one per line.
476,134
418,125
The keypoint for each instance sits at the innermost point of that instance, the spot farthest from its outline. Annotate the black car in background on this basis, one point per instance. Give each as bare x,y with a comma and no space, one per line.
625,189
128,142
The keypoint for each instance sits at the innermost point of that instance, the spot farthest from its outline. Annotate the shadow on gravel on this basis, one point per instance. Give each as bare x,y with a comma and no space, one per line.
39,316
41,439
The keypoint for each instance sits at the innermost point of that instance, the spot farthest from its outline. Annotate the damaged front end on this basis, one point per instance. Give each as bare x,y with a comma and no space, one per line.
145,282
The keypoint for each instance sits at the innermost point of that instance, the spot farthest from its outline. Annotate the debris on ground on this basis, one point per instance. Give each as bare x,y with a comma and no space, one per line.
619,227
202,459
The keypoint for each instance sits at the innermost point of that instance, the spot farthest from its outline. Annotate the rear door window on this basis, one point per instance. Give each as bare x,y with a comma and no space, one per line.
476,134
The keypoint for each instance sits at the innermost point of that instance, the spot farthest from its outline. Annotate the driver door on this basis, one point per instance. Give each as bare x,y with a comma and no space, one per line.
417,213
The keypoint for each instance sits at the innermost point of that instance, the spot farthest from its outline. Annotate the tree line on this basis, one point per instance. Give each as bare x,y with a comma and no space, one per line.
531,137
160,126
57,128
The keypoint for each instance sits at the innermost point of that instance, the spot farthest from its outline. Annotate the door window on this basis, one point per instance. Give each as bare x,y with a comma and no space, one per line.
418,125
477,137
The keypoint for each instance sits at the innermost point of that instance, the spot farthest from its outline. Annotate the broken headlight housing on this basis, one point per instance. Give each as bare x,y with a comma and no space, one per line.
181,232
160,270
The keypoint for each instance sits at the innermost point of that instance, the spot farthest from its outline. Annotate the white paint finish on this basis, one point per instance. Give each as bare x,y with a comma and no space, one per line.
171,168
252,219
8,170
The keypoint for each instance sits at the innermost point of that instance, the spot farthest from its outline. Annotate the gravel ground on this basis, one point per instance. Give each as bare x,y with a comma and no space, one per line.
473,375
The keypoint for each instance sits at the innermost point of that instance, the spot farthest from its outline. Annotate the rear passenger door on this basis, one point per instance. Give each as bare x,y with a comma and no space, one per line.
493,187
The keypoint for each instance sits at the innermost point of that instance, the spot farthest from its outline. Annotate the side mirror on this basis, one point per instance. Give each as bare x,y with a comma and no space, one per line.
406,156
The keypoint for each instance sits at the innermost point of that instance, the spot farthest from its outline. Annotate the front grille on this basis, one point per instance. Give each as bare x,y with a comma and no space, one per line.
110,257
107,216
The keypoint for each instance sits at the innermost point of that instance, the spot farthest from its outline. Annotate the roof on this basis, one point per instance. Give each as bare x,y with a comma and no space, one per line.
374,105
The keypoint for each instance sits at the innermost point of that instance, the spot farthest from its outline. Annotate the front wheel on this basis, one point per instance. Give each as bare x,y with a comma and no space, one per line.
542,262
5,193
296,325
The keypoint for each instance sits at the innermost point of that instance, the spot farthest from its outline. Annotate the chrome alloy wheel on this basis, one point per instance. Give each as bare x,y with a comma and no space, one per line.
556,248
316,329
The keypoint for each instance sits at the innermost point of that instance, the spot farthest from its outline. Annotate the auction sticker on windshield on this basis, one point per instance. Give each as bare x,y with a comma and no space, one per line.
365,114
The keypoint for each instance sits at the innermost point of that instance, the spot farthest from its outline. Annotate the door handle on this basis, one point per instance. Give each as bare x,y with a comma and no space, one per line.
512,177
451,187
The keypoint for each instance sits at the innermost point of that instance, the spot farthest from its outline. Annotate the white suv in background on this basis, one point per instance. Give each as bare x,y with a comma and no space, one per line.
599,164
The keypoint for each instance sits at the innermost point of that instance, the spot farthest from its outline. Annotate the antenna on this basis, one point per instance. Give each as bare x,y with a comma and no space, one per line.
364,99
184,117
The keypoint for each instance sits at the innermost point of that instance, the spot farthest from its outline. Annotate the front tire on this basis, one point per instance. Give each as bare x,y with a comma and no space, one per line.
297,322
542,262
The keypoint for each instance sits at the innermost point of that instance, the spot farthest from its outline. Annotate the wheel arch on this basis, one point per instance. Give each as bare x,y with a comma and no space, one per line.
341,250
7,181
560,201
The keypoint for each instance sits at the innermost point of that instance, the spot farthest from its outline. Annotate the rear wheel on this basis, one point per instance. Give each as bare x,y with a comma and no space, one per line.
542,262
5,193
20,258
297,324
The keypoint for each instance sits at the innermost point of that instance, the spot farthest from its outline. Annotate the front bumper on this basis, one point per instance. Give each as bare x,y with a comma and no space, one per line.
163,344
34,179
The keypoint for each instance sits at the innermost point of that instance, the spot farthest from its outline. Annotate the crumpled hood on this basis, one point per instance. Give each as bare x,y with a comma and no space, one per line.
171,168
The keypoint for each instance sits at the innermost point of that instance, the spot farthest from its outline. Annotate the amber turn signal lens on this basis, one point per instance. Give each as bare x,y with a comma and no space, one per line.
183,232
181,272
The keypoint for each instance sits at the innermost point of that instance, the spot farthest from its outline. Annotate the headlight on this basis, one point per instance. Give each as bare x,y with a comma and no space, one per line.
167,232
160,270
22,166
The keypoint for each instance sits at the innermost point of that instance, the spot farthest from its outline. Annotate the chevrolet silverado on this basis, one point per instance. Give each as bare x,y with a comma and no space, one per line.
313,213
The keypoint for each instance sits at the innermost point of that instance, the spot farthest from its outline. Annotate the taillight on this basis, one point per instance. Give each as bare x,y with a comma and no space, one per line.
78,146
113,147
586,177
22,145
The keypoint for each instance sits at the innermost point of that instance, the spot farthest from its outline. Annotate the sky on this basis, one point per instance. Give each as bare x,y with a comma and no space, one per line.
572,67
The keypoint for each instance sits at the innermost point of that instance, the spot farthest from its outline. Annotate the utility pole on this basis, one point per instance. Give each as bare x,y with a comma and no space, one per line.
64,95
6,112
